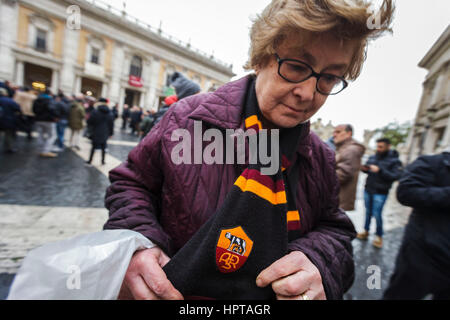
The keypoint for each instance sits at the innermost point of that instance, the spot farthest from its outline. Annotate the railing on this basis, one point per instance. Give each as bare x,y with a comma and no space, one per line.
158,31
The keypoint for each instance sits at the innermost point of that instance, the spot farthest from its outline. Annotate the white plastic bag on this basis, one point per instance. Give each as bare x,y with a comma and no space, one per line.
87,267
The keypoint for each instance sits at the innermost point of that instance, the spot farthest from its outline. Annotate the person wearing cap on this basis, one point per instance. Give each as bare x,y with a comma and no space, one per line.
227,230
168,101
183,86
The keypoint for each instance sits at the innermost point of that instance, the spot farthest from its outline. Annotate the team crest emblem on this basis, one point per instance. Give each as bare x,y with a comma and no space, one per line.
233,249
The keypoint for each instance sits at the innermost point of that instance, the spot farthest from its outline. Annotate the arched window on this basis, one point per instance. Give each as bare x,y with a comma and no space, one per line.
136,67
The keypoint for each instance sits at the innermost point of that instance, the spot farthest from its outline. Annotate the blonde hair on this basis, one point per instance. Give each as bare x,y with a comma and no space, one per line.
344,19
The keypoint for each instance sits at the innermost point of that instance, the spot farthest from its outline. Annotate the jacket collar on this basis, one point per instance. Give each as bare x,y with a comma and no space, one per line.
224,109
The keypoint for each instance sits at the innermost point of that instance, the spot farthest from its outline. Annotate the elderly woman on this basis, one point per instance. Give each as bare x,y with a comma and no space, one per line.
302,51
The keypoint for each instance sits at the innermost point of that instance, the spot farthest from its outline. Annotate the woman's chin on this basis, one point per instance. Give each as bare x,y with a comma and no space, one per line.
289,122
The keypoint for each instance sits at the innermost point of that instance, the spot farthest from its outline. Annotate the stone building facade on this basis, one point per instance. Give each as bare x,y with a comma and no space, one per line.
88,46
430,133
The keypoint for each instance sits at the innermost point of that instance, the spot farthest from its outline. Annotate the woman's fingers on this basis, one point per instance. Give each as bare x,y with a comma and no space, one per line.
146,279
281,268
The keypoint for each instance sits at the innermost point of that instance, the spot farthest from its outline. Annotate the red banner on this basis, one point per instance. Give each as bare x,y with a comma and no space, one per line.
135,82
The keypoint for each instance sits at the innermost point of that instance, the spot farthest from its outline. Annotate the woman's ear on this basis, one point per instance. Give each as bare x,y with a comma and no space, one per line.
257,68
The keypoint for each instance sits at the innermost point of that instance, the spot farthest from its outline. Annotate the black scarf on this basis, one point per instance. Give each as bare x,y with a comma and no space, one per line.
248,232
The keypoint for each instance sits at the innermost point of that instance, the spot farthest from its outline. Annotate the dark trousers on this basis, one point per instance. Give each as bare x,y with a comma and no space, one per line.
101,146
9,139
124,123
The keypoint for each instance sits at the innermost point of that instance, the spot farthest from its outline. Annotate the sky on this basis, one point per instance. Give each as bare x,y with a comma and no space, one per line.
389,88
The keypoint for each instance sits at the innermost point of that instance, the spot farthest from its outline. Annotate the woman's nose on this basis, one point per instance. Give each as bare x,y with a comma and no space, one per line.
306,90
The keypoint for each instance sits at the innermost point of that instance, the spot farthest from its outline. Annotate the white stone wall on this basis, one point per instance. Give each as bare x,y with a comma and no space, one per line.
128,39
8,36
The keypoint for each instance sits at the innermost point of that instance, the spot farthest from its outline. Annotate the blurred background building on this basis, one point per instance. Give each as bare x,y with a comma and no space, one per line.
430,133
90,47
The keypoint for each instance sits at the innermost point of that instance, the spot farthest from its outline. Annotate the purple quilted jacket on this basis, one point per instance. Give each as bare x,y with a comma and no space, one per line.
168,203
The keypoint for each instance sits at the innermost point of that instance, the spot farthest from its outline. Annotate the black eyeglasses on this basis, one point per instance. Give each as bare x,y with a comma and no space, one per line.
296,71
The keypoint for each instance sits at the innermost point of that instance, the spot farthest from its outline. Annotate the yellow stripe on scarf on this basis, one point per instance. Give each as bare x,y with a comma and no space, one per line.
251,121
249,185
293,216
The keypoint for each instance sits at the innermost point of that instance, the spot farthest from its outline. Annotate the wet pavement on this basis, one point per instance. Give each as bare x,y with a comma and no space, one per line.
46,200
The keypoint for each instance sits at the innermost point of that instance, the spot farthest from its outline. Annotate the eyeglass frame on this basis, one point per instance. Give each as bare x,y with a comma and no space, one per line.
313,74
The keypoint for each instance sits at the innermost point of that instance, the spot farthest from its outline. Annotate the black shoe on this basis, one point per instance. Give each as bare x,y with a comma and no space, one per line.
88,164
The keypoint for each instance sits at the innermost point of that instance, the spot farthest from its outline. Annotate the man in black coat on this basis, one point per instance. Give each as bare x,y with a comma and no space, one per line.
9,114
125,116
101,128
383,169
423,262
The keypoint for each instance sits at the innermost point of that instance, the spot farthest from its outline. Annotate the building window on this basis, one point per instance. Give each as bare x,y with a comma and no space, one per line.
41,40
439,137
95,56
136,67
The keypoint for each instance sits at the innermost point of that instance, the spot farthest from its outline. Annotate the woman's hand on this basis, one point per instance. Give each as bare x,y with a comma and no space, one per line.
145,279
293,277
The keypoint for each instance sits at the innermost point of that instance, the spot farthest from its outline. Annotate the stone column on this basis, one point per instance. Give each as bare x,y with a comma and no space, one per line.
116,69
54,86
20,73
105,93
68,77
8,36
152,97
77,88
142,100
121,99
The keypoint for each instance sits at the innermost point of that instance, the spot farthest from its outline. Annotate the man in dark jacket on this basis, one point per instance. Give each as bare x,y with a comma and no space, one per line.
125,116
9,113
348,163
135,119
101,127
46,118
423,262
62,106
383,169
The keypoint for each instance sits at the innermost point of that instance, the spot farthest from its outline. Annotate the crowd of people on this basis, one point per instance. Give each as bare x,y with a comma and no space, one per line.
48,114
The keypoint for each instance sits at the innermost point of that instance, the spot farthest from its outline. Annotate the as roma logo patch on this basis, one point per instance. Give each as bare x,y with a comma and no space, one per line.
233,249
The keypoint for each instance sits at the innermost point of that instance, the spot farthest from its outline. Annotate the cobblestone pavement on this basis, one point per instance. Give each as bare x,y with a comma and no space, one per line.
46,200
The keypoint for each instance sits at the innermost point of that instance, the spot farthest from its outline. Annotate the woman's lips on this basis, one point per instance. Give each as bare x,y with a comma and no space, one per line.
293,109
